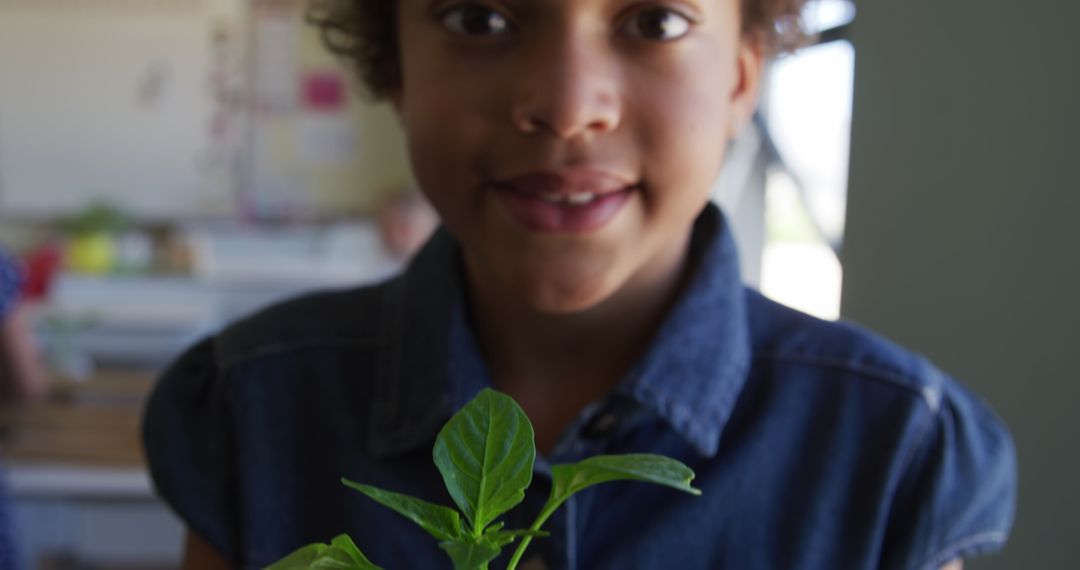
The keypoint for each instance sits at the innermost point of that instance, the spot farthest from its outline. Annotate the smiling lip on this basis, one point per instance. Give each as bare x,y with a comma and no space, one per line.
565,183
567,201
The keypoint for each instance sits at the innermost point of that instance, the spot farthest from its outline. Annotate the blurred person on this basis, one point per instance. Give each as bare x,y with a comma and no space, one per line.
22,375
406,221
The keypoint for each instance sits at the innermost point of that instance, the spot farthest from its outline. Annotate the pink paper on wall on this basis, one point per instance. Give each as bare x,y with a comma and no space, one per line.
323,91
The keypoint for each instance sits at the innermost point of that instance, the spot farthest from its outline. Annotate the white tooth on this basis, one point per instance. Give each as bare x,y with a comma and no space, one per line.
583,198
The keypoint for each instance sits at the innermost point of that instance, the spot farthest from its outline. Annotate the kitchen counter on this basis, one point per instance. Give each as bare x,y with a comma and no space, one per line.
94,423
76,476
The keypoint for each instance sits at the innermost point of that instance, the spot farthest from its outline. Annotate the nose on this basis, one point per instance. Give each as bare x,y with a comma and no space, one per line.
565,89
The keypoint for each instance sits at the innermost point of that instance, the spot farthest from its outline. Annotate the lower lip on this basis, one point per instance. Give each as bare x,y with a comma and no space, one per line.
542,216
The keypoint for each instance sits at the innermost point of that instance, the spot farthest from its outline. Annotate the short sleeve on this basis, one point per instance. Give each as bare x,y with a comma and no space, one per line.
188,439
958,497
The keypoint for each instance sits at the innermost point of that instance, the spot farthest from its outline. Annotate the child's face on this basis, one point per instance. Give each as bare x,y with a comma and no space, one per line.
569,144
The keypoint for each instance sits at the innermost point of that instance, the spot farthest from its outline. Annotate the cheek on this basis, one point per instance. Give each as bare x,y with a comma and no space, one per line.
684,123
453,107
441,179
442,137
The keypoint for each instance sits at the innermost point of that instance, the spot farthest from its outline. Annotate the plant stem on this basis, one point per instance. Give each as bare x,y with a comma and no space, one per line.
542,518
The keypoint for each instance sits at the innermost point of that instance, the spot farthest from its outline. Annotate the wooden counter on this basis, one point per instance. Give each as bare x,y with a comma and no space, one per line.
75,473
93,423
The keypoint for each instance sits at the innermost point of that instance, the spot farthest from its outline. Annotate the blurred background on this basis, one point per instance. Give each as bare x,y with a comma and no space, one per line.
167,166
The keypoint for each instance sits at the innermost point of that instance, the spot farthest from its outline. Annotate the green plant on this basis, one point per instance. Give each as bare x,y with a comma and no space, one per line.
97,217
485,454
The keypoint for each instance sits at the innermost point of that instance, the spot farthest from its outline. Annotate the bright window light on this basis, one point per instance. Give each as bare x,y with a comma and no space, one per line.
807,109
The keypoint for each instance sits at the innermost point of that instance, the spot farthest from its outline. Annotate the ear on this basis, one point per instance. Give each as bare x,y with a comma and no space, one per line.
749,61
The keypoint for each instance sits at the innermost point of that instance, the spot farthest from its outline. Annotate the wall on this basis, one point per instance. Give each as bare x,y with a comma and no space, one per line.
161,106
110,100
340,159
382,165
962,223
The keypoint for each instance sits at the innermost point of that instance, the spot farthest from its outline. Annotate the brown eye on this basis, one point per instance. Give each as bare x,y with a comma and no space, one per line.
659,24
474,20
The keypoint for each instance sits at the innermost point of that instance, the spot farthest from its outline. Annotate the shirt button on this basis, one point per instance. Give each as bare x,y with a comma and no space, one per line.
601,425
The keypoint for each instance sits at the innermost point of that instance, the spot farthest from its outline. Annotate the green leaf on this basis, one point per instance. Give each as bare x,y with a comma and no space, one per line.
471,553
474,553
441,522
340,554
647,467
568,479
485,454
571,478
344,543
301,558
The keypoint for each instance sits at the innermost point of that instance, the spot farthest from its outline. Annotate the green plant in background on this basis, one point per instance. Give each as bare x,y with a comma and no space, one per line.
485,454
97,217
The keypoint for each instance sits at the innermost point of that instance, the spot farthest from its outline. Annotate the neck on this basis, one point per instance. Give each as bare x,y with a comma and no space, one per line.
556,364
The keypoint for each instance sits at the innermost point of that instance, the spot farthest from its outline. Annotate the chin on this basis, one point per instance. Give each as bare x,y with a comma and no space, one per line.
564,294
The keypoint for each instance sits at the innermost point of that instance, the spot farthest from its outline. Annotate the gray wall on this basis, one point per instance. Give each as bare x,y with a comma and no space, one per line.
962,236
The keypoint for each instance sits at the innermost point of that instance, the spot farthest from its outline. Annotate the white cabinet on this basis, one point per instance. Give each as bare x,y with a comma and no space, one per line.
105,518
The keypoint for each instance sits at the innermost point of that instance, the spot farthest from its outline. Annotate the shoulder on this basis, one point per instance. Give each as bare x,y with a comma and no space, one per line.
347,318
953,460
285,379
787,337
276,341
373,316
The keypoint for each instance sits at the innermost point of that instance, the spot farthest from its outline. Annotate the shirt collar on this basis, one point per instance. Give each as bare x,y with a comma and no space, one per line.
690,376
696,366
411,398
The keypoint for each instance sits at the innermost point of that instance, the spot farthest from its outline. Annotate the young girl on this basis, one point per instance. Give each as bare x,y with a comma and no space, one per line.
569,147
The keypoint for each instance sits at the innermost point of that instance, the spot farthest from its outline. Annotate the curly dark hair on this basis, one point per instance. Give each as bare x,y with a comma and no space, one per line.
365,33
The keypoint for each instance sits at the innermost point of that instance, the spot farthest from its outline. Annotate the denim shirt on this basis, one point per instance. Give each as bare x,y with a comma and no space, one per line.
817,444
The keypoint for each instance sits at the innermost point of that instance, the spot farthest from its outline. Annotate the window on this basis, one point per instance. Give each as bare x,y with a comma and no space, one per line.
806,114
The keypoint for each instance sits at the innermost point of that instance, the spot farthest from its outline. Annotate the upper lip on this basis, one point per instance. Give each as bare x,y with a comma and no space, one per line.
567,181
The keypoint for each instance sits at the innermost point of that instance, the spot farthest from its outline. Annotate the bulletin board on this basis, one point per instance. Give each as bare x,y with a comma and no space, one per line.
115,100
